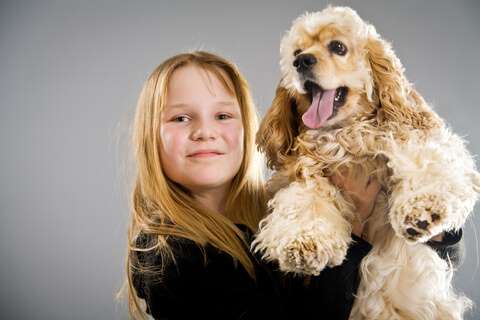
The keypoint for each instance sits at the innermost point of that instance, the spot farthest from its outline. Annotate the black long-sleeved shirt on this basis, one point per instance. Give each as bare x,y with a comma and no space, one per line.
222,289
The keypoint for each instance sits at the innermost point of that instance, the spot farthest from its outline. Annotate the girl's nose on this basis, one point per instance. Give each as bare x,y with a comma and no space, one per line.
204,130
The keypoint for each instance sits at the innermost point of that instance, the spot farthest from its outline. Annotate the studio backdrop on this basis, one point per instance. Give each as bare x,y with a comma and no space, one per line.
71,72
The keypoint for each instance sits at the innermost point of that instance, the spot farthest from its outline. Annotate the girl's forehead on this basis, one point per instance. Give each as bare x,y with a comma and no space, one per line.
189,81
209,76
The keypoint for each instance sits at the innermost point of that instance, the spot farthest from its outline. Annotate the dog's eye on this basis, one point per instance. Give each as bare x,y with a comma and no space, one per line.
296,52
337,47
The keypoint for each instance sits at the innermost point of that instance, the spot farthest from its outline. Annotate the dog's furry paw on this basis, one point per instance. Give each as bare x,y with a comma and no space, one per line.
310,255
422,217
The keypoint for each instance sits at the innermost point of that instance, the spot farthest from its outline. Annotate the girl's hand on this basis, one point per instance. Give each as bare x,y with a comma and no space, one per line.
363,191
438,237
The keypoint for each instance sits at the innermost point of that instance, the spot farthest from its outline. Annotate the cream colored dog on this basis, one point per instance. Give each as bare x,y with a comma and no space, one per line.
343,105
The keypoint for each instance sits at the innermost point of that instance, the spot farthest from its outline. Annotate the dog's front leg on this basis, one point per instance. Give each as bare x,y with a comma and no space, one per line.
434,185
306,229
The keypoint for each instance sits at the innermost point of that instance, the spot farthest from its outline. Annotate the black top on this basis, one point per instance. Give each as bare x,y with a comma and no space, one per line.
222,289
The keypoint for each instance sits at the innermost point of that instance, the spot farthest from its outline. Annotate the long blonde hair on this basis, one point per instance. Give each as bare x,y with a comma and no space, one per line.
162,208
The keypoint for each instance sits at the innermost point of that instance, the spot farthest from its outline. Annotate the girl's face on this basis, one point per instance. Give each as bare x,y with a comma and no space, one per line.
201,131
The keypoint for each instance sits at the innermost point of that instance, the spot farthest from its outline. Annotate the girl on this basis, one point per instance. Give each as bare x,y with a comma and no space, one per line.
198,199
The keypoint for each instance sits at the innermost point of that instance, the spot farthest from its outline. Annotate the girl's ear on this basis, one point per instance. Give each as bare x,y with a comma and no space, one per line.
278,129
399,102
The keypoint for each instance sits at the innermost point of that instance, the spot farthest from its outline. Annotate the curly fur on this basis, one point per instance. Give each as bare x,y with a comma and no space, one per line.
385,129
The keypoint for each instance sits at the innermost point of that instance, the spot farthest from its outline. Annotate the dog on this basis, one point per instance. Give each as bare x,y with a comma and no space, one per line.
344,106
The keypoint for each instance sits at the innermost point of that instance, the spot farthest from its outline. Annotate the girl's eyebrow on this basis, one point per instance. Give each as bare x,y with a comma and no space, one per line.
178,105
218,103
226,103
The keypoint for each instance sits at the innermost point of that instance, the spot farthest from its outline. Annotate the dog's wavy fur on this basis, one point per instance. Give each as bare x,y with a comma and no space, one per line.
386,130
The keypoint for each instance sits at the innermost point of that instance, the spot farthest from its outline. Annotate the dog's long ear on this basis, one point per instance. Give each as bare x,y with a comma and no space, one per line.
278,129
399,102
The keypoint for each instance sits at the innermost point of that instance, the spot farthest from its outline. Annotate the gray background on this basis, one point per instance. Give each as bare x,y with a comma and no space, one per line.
70,74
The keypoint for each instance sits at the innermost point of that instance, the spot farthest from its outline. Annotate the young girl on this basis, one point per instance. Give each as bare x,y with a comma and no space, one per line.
198,199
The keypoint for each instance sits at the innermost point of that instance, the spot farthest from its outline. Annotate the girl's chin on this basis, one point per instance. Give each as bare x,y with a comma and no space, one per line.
205,183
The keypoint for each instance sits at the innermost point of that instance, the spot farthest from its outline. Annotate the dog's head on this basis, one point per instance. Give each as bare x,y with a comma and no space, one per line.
323,59
335,69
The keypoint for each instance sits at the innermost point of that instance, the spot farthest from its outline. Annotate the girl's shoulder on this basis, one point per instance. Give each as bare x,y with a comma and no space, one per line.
183,255
181,251
159,272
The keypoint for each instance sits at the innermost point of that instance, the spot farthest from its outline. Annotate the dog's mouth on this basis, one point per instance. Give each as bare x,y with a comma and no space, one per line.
324,104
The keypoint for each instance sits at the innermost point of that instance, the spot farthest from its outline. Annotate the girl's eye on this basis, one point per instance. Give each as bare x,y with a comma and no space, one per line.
223,116
180,119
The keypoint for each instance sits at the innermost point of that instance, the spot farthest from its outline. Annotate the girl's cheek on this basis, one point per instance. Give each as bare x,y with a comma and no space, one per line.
165,139
235,136
172,140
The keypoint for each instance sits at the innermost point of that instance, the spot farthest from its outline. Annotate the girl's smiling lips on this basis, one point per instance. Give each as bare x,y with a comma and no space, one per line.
204,153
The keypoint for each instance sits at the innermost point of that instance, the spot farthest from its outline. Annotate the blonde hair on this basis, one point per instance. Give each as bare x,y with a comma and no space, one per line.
162,208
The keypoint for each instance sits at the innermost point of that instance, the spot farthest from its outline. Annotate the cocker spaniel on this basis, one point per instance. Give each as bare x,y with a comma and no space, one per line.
344,106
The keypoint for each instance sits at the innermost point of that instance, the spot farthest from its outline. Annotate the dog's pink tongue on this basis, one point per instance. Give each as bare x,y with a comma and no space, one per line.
320,109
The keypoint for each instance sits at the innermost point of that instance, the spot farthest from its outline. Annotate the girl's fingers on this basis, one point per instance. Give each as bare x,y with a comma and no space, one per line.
373,187
336,181
362,186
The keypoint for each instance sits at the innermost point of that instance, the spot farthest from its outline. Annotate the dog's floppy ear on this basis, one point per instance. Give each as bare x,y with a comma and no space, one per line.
278,129
399,102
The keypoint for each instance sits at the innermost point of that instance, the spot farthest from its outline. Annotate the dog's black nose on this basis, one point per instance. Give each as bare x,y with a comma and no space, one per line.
304,62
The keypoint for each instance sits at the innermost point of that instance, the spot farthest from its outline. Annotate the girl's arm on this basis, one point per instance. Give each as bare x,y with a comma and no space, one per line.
450,247
170,293
363,191
219,289
330,295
